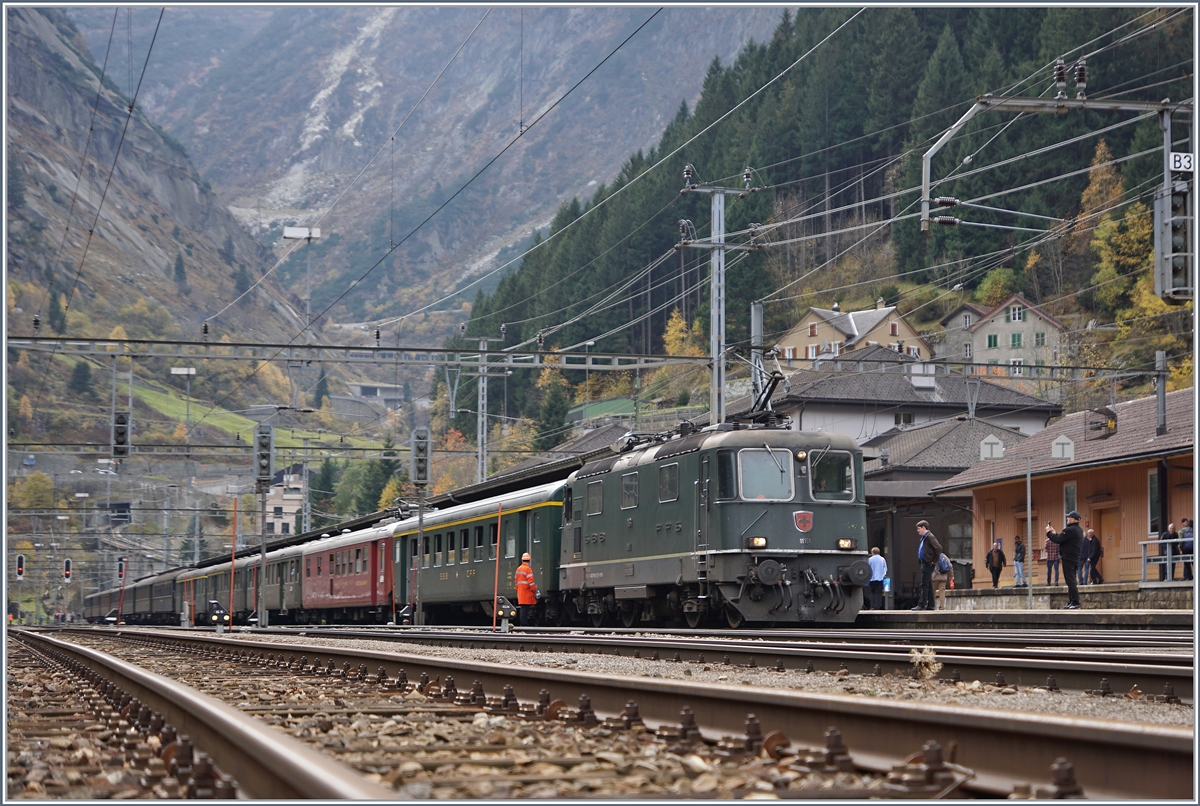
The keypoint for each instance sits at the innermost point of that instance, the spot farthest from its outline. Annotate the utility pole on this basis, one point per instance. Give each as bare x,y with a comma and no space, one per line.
481,421
717,247
308,235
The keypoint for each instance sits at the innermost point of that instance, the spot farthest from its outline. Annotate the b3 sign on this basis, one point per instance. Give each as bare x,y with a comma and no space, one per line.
1182,161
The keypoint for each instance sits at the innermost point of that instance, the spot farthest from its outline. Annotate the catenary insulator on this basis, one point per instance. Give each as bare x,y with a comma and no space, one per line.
946,201
1060,77
1081,78
37,323
946,220
687,174
376,335
503,328
746,177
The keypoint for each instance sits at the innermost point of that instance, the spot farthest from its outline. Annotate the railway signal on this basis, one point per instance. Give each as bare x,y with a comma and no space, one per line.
66,569
419,453
120,433
121,568
20,566
264,452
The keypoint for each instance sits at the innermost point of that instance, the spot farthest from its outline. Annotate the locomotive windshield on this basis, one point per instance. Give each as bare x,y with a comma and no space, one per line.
832,476
766,474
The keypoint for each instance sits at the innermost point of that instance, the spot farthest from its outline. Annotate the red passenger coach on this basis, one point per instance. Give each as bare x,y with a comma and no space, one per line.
349,577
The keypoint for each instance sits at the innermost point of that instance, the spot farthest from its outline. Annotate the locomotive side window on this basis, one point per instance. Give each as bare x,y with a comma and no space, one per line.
595,497
766,474
832,476
478,544
577,546
668,483
465,552
726,479
568,503
629,490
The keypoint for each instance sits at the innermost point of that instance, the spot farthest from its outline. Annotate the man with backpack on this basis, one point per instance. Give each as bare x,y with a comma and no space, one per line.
928,553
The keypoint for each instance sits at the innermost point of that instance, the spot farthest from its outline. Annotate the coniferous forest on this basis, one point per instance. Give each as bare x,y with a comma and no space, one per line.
835,145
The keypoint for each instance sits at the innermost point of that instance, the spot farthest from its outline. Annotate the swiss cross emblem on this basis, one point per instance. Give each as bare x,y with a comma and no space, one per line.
804,520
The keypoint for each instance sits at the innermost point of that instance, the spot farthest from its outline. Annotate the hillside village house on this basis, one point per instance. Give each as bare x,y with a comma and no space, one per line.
1013,338
285,498
828,333
1128,481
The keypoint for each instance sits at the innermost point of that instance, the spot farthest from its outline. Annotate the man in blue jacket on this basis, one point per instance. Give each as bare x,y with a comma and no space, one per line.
927,555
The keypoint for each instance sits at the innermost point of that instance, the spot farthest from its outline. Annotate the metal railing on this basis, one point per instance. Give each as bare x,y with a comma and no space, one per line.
1169,554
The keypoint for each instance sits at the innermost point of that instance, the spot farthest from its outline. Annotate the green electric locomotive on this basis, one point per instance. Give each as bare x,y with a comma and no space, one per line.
732,524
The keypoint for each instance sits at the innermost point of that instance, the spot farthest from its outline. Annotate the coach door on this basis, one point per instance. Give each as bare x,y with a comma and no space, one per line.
703,499
379,574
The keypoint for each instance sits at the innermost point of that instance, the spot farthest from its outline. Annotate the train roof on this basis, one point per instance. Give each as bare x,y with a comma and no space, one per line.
347,539
488,506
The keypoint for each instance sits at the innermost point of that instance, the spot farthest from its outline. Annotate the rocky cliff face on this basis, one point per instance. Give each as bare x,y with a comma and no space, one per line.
162,234
287,112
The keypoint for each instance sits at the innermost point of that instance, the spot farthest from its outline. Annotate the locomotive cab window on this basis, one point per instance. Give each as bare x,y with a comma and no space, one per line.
595,497
766,474
668,483
831,474
726,484
629,491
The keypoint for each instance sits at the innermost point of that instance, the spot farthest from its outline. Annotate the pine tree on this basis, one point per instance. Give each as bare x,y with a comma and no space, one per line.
241,279
552,418
226,251
180,270
81,380
321,390
56,317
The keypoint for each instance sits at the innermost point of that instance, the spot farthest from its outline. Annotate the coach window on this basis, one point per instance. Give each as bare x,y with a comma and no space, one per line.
668,483
464,551
766,474
425,553
510,538
831,474
318,565
451,549
437,550
726,479
595,497
332,566
629,491
478,544
414,554
494,537
307,567
358,562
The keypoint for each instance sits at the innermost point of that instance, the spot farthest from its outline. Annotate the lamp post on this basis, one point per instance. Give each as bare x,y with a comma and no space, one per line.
587,379
188,372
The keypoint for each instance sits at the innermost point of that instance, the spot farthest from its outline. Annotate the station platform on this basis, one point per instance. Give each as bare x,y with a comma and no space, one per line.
1125,605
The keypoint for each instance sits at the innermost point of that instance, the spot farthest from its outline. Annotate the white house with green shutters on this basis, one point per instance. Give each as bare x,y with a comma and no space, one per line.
1015,339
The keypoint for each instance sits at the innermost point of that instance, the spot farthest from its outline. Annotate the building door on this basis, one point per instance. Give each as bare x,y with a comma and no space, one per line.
1110,539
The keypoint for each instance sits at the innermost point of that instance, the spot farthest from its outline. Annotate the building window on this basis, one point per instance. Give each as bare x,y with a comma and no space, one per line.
285,528
1070,497
1016,313
1152,505
1015,366
278,512
1039,339
789,353
904,418
629,491
812,351
812,329
837,347
1014,341
914,351
967,349
895,328
993,341
966,321
270,528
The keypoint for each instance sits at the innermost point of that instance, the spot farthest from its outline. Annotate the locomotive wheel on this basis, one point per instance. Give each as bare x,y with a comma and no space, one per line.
733,617
598,619
693,618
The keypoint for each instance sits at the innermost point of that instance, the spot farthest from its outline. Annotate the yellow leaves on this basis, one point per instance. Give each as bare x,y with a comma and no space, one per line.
1183,375
548,378
34,492
679,338
393,490
180,434
452,470
25,408
118,333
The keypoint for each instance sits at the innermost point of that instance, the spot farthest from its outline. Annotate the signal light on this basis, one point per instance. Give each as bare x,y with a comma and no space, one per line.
120,433
419,456
264,452
121,568
66,569
20,566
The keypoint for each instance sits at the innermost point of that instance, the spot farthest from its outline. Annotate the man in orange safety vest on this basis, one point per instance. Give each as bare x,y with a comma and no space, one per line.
526,591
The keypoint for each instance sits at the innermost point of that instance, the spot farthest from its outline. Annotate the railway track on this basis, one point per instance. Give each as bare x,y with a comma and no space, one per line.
993,754
1158,666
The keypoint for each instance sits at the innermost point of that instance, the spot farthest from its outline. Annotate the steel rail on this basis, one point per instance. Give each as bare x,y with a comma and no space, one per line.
1112,760
265,763
1072,670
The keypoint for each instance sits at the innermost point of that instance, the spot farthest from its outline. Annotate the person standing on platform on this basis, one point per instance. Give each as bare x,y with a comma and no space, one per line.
1019,580
1050,552
526,591
1188,547
995,562
1097,553
1085,557
940,580
927,555
1069,543
1166,571
878,574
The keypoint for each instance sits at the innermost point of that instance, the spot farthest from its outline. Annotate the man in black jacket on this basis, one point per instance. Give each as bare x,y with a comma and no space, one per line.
927,554
1070,544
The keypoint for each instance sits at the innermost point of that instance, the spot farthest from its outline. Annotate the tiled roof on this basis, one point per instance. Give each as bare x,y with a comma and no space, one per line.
1134,439
966,306
947,444
854,324
1017,298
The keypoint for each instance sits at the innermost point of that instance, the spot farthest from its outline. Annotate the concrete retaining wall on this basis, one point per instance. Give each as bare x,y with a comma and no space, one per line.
1118,596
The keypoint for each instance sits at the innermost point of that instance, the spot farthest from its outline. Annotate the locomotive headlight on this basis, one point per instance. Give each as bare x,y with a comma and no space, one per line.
847,543
801,456
756,543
